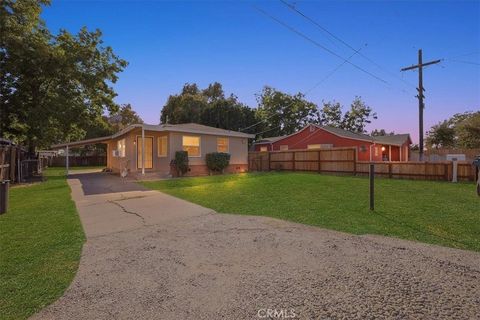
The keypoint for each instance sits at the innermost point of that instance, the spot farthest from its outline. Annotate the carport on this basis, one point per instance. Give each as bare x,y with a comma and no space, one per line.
81,143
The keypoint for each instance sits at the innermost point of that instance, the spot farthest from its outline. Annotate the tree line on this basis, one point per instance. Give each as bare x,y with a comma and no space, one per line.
277,113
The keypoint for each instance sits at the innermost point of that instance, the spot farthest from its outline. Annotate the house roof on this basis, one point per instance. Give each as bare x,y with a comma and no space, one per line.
270,139
394,139
397,139
184,127
197,128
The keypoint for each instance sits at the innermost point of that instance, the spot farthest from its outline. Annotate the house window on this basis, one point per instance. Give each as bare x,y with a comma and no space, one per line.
284,147
191,144
314,146
162,146
263,149
121,148
222,145
376,151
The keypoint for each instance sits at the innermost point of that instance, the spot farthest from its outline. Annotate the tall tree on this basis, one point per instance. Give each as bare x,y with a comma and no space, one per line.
53,86
381,132
462,130
468,130
123,118
209,107
185,107
331,114
283,114
355,119
358,116
441,135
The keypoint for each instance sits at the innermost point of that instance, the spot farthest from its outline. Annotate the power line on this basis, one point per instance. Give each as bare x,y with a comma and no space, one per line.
344,43
306,92
255,124
278,127
466,62
318,44
331,73
463,55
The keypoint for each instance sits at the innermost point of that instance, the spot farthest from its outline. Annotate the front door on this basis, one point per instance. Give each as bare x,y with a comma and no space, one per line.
148,152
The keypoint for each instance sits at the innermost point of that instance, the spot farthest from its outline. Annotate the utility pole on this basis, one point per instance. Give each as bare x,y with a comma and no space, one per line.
420,96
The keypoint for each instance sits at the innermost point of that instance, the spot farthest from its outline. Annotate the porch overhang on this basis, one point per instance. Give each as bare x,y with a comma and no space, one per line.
82,143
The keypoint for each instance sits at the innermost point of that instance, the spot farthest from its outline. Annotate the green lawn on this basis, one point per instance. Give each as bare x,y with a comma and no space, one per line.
40,243
435,212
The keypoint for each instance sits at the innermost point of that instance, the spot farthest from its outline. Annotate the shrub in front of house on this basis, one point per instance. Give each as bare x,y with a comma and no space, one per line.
217,161
180,163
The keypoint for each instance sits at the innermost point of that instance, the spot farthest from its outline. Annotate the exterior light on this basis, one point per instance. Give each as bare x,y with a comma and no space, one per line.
383,148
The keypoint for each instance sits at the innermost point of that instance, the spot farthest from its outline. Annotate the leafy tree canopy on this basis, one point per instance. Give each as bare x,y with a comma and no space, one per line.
283,114
53,87
123,118
462,130
210,107
354,119
381,132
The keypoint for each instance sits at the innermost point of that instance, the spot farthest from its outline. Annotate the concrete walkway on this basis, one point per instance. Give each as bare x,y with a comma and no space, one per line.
152,256
108,204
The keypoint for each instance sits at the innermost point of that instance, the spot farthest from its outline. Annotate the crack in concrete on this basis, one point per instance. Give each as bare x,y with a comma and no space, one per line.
127,211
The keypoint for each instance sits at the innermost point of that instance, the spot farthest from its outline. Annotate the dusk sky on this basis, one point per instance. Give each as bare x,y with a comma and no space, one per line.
168,44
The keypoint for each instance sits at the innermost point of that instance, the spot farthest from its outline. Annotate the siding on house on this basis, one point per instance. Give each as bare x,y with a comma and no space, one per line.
238,149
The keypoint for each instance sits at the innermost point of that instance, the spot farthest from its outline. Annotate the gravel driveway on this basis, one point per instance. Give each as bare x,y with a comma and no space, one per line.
170,259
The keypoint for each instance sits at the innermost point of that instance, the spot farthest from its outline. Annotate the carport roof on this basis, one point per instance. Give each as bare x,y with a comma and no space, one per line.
81,143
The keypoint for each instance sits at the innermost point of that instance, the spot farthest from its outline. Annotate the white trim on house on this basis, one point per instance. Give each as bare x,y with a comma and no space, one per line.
159,142
143,152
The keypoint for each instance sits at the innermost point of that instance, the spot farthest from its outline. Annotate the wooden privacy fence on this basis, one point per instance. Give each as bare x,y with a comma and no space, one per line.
10,156
344,161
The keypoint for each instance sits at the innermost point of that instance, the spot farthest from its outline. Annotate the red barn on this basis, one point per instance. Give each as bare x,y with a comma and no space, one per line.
380,148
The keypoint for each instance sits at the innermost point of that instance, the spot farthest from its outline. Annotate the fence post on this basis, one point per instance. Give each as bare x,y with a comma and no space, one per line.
66,160
355,162
390,175
372,186
319,162
268,161
445,167
293,161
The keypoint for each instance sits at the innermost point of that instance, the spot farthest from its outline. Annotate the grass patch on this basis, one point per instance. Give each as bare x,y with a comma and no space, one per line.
434,212
41,239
